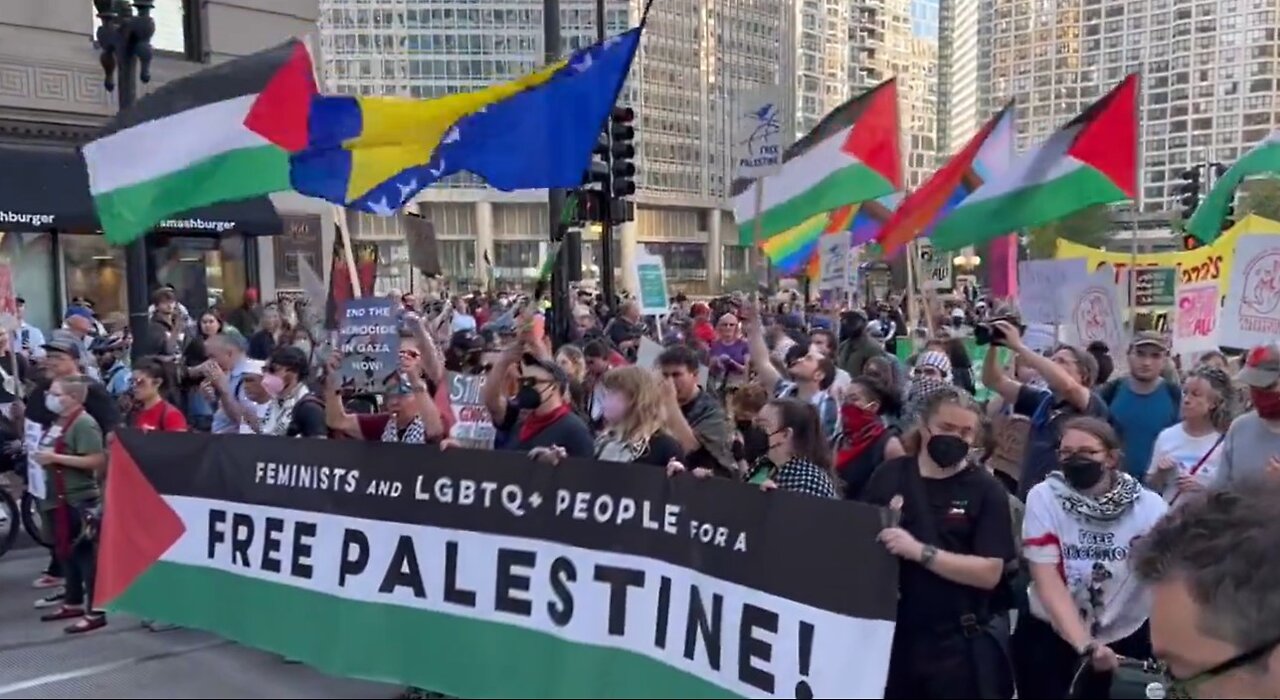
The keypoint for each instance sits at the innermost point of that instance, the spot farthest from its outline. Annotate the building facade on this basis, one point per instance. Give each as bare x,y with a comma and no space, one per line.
959,98
696,59
52,99
1208,74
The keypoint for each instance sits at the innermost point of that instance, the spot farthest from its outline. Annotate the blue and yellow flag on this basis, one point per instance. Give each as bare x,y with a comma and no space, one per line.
375,153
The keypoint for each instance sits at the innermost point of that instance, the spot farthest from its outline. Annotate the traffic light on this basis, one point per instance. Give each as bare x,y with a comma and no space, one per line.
1189,192
622,152
1190,242
1229,216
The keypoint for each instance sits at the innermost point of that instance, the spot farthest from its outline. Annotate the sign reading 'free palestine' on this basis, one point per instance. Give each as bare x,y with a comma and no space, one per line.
504,576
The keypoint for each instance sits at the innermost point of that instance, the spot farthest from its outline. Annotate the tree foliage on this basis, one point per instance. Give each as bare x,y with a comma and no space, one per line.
1090,227
1261,197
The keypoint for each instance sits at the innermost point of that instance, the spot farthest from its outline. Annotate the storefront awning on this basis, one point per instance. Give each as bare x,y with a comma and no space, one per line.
46,188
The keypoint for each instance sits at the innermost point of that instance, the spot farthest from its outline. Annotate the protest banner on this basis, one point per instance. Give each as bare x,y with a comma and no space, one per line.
485,574
1042,283
473,427
834,256
1195,327
1251,312
369,340
1211,263
1095,313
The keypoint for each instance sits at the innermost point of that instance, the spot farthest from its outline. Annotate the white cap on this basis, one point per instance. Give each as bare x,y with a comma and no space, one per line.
254,367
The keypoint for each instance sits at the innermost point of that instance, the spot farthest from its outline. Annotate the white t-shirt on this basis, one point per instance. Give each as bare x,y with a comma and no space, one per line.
1093,559
1187,451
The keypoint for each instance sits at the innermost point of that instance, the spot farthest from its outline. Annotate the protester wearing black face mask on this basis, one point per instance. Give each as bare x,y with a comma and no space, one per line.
949,523
1086,605
750,443
540,415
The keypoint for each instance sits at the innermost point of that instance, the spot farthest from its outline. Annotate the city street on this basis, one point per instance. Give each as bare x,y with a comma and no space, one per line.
126,660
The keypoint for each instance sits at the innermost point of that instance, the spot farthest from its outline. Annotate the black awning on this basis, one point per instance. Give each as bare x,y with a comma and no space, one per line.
46,188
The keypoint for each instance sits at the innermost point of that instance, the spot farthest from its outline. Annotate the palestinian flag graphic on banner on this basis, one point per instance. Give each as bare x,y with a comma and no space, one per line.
497,577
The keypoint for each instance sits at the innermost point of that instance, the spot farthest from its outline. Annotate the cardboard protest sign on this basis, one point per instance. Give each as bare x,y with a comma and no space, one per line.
369,338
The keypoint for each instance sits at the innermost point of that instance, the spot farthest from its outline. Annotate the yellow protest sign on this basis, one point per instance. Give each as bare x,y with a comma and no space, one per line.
1211,263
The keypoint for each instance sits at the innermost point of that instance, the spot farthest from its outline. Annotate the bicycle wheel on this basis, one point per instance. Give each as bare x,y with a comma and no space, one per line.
9,519
33,520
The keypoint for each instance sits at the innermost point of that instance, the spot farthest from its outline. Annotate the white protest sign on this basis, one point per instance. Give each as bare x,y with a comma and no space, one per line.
473,426
1041,284
935,268
1251,313
651,277
833,261
759,139
35,473
1094,312
1195,325
1040,336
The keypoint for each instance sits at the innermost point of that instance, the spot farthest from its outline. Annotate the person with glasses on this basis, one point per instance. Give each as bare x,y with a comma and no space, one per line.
728,351
151,411
540,416
1212,571
1087,607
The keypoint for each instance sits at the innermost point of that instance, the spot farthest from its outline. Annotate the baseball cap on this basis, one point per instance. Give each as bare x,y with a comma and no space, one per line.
552,367
81,311
1261,367
1149,339
65,343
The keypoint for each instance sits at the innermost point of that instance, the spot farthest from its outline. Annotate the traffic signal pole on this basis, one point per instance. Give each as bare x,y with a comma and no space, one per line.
560,310
607,287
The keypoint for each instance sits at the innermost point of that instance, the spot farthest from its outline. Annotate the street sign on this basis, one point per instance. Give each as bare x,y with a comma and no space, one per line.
1155,286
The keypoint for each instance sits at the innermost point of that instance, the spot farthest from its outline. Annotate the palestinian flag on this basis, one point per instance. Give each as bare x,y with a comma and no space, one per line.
187,145
987,155
484,575
1092,160
851,156
1263,159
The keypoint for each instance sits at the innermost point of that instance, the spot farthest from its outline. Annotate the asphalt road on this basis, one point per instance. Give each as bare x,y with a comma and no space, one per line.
125,660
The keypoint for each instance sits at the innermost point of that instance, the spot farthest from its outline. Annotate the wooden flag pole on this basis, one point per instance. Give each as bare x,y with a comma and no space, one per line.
762,271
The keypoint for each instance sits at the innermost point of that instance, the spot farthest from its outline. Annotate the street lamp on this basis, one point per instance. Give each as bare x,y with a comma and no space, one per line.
124,40
966,261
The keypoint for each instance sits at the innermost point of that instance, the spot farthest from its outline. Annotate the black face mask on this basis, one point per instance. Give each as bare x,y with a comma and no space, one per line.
1081,472
528,398
754,445
947,451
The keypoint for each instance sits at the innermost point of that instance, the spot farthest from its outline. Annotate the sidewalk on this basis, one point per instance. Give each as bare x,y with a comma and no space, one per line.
124,660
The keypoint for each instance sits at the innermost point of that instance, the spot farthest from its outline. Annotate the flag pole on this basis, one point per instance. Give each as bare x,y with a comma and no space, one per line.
1137,203
757,225
340,224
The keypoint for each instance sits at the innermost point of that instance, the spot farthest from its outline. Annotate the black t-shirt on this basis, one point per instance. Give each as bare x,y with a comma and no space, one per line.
308,418
970,515
568,431
662,449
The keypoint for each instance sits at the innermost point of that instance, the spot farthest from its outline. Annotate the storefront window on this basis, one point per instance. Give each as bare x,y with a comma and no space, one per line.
93,269
458,261
206,272
33,279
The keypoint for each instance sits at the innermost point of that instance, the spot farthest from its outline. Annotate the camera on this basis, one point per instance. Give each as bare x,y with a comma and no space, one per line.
988,334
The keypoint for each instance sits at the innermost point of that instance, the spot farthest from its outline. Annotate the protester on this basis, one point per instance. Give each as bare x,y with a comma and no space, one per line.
164,328
246,318
1086,605
224,381
271,335
749,442
1212,571
635,416
151,410
727,352
695,418
1144,403
1070,374
1252,446
293,411
15,370
811,375
949,524
540,414
72,452
28,339
574,364
411,416
111,354
1187,455
866,440
856,344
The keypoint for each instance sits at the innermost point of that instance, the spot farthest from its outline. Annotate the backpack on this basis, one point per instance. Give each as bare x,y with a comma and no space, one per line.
1108,391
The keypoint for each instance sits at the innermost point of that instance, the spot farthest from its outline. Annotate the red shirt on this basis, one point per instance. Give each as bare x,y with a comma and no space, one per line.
704,331
163,416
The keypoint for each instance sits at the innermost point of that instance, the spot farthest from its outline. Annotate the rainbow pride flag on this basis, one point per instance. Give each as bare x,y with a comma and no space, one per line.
795,251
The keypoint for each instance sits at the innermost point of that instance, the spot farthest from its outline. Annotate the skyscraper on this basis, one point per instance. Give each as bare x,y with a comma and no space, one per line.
822,60
695,60
959,111
1208,74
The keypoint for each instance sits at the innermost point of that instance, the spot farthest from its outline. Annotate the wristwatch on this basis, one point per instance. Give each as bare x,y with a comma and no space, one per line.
926,556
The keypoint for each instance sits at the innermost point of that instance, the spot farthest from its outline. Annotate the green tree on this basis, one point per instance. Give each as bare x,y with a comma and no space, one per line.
1261,197
1090,227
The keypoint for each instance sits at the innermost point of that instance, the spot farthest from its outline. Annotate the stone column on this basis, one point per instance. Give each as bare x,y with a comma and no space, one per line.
626,235
715,252
484,240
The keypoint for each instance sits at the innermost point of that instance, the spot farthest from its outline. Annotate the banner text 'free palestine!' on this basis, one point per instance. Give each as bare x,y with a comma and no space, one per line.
483,574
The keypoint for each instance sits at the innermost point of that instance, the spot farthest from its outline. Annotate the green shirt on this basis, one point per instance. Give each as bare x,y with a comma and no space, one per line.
83,438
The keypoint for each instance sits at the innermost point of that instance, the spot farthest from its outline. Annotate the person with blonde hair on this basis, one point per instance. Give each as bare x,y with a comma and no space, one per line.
634,417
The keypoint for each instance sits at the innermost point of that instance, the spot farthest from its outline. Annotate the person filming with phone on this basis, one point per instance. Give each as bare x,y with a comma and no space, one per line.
1069,373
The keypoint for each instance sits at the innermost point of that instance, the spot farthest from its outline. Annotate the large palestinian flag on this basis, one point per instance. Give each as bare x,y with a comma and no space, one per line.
1206,224
1092,160
187,145
851,156
485,575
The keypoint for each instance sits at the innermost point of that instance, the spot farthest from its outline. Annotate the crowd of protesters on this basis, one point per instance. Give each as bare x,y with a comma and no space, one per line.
1015,519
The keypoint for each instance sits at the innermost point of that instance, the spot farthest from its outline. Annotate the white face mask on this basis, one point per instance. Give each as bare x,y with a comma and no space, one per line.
53,403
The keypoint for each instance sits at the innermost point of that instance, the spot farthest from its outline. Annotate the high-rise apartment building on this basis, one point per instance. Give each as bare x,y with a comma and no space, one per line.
890,38
959,108
1208,74
695,60
822,60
